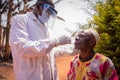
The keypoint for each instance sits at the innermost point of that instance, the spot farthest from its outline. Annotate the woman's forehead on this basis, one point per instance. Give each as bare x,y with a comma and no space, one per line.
83,32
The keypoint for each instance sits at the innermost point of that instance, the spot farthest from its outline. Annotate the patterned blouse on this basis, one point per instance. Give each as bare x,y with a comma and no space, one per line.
98,68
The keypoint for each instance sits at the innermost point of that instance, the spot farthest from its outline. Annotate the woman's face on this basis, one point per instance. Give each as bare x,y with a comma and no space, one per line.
82,41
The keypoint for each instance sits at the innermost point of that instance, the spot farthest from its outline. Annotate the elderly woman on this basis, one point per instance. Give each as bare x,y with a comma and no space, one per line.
89,65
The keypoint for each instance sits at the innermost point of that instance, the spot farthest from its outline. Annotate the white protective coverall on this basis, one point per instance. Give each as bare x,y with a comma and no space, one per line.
30,50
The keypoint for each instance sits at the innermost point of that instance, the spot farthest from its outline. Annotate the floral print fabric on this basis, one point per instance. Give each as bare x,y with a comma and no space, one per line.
98,68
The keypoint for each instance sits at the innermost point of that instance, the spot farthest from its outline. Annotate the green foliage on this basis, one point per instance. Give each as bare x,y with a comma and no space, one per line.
107,18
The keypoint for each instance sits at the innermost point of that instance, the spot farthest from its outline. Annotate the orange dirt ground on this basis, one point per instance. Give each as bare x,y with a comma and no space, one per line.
6,69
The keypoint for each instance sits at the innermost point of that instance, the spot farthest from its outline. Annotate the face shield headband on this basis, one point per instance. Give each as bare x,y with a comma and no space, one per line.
49,9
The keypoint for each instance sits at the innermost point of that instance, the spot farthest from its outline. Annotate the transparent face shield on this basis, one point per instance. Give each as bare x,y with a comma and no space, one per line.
49,9
53,15
50,24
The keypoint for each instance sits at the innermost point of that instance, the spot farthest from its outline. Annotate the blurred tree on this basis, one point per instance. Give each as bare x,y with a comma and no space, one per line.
107,20
7,48
3,8
8,8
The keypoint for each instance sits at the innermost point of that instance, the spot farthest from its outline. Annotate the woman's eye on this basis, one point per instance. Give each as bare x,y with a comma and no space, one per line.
76,38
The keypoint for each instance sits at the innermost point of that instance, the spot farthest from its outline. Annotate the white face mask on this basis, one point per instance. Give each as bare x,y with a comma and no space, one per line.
44,17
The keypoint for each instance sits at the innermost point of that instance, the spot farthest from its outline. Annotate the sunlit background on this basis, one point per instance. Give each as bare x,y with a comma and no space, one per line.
73,12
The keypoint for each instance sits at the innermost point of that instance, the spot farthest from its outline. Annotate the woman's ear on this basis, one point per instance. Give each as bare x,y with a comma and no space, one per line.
92,42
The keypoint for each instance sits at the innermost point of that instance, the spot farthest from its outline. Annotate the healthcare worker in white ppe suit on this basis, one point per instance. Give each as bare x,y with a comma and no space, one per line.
31,43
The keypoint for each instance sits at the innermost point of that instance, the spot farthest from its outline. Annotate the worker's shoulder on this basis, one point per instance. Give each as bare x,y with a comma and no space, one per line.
19,16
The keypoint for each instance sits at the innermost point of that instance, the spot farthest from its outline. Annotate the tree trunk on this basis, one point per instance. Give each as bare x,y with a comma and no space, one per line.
7,47
1,55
